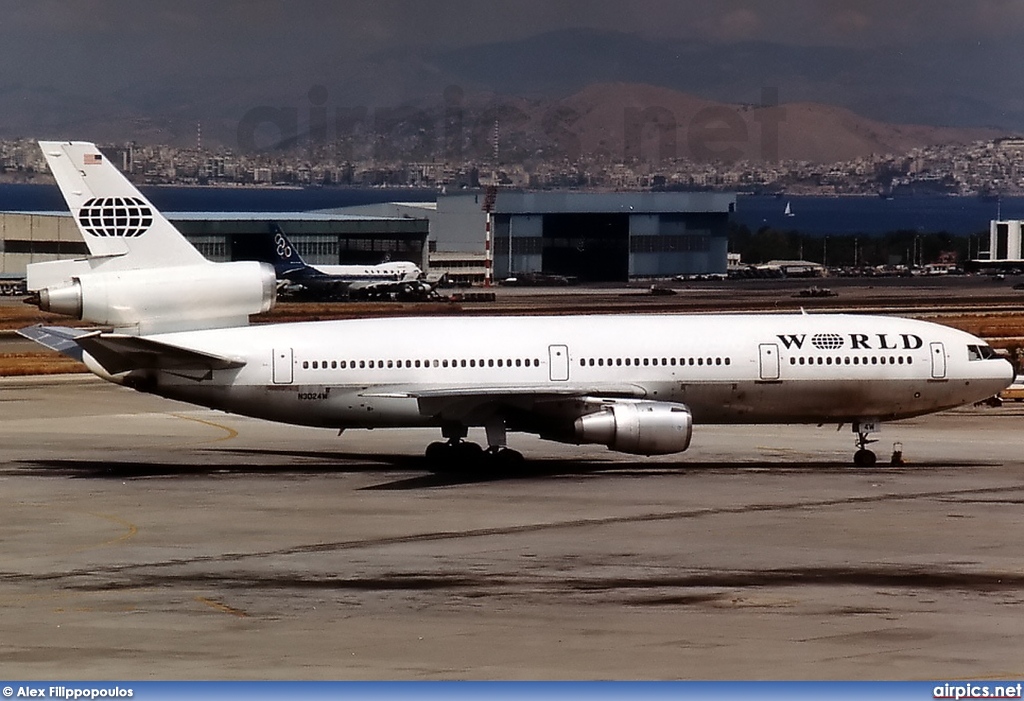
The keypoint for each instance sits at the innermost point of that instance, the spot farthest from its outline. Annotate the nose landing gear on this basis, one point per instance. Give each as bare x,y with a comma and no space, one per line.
864,457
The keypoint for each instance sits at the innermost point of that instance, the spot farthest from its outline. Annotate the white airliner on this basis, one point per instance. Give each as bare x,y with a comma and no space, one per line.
635,383
394,279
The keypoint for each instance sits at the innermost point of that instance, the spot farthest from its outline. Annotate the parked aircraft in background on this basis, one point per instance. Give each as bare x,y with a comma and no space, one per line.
401,280
637,384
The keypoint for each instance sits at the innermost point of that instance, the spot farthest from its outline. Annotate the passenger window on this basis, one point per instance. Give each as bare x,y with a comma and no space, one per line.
334,364
305,365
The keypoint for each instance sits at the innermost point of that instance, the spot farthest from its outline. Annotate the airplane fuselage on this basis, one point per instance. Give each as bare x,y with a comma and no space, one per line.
724,368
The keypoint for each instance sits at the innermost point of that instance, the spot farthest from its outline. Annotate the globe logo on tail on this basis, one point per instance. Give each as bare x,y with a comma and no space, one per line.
126,217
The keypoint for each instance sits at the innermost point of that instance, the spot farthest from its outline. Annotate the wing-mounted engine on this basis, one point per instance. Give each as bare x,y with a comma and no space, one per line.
160,300
637,427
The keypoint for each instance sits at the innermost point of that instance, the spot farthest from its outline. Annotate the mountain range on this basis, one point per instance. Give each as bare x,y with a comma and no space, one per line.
569,90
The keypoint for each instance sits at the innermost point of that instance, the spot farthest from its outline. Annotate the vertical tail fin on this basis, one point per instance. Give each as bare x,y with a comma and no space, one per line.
115,219
286,256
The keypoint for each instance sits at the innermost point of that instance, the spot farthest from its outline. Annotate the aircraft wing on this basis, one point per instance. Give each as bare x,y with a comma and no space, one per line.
626,390
467,403
120,353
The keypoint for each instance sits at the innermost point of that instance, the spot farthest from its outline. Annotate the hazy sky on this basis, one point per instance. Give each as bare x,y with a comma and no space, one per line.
242,52
185,28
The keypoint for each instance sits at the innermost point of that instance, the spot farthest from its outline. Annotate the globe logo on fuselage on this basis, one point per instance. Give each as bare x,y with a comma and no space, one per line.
126,217
827,341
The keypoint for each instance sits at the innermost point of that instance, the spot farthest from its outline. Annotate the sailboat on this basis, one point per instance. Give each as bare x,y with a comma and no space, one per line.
789,210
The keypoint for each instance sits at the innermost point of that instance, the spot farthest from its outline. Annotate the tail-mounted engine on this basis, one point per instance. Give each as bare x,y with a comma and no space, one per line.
159,300
640,427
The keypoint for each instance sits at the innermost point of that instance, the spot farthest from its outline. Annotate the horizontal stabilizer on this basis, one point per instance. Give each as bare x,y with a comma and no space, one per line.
62,339
120,353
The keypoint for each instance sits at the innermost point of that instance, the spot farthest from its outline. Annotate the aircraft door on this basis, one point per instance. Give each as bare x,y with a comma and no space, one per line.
769,361
282,367
938,360
558,363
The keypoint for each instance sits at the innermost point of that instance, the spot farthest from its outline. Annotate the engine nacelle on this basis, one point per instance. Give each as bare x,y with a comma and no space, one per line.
640,428
159,300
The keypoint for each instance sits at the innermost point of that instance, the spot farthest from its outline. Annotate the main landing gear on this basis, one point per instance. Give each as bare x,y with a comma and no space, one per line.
458,455
864,457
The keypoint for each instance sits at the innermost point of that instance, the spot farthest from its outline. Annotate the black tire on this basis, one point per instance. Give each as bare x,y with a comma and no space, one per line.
439,457
508,461
864,458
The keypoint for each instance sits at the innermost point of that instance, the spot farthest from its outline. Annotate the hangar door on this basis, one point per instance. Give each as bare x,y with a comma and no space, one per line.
590,247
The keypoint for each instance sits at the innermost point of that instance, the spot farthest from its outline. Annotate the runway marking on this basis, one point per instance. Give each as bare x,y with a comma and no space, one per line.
131,530
231,433
224,608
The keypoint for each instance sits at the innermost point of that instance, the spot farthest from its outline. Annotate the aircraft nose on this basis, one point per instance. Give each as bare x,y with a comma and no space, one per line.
1007,374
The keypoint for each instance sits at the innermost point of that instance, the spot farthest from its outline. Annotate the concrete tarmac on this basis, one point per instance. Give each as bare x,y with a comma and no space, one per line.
142,539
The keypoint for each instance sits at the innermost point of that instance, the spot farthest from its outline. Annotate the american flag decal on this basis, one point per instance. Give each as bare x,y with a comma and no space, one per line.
93,159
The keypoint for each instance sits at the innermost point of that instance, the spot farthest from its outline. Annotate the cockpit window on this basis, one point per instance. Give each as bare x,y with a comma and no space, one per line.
980,353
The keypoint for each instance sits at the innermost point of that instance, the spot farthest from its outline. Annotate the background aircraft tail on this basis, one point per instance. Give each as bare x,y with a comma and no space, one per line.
286,257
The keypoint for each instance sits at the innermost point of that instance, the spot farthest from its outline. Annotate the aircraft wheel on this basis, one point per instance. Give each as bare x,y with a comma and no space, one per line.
467,454
508,460
437,452
864,458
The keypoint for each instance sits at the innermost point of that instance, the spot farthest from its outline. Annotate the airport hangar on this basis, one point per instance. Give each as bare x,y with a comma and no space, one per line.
32,237
593,237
